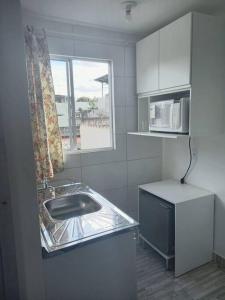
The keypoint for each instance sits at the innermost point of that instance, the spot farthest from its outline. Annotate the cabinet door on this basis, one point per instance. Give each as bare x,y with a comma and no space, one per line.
156,218
175,53
147,52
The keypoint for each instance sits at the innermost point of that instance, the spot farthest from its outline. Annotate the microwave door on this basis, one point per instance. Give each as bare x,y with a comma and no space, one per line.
160,116
156,115
161,121
174,124
166,113
176,117
171,117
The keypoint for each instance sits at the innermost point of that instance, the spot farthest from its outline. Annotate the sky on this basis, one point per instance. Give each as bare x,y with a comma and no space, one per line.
84,73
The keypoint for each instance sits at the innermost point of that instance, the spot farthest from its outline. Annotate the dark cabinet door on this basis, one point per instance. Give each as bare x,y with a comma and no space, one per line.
156,218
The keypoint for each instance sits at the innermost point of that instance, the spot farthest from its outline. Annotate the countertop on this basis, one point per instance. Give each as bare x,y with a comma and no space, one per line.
61,234
175,192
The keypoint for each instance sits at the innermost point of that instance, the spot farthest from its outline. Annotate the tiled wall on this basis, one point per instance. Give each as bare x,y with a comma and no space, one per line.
208,171
136,160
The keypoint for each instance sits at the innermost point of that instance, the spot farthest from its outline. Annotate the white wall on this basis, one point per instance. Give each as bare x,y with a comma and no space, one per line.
208,171
17,179
136,160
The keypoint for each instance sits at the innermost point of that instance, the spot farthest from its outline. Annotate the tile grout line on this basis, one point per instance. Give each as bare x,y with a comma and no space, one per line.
115,161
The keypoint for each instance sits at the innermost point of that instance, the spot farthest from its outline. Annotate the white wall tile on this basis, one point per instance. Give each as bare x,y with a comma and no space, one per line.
143,147
73,174
130,91
118,197
99,157
143,171
132,201
72,160
102,51
120,121
130,60
119,91
60,46
105,176
131,118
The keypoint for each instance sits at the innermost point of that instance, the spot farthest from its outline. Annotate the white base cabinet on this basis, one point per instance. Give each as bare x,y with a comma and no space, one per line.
101,269
193,223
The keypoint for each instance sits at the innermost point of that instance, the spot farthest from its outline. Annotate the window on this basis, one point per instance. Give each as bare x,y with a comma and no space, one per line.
83,93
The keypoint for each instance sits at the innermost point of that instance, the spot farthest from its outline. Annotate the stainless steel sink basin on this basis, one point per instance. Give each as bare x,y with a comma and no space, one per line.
75,214
71,206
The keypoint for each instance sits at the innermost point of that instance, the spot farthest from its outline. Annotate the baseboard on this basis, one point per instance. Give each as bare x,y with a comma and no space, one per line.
219,260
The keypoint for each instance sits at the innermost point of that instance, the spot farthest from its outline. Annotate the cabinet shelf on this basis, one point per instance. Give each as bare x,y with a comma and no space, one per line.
158,134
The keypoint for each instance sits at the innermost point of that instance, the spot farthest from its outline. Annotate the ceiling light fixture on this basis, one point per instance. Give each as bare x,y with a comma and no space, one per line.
128,7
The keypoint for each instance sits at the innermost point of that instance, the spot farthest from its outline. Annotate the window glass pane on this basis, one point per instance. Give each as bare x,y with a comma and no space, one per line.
92,104
85,118
59,74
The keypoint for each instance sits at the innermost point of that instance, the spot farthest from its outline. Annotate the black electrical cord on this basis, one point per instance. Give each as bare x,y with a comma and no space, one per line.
182,180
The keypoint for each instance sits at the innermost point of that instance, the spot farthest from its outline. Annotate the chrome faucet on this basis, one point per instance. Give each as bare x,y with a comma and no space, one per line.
45,191
45,183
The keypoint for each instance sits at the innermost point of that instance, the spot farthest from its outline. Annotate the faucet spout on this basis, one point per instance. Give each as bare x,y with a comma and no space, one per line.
45,183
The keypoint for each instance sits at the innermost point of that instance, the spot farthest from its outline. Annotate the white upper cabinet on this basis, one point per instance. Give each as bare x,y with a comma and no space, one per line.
175,53
147,58
188,54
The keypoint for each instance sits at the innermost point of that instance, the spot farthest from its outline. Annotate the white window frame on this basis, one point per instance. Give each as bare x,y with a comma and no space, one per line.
70,88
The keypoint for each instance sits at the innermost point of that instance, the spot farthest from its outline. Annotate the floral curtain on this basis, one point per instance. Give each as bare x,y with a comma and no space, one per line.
47,140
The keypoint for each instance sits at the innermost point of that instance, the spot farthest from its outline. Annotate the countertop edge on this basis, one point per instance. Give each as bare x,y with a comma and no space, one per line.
80,243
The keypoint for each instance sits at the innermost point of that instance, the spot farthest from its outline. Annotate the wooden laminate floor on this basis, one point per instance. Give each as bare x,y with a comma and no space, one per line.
155,283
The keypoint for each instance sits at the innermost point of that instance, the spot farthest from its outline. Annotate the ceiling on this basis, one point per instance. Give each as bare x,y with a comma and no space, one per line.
147,16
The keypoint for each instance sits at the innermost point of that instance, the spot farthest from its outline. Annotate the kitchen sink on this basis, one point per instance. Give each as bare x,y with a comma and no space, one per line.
71,206
75,214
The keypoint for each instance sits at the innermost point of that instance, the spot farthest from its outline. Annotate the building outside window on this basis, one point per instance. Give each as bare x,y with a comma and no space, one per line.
84,102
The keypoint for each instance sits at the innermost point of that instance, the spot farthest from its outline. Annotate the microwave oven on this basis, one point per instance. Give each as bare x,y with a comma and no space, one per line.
170,115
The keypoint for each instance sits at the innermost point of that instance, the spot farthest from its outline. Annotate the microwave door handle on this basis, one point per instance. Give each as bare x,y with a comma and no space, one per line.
181,114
